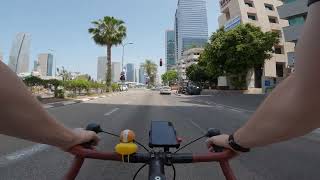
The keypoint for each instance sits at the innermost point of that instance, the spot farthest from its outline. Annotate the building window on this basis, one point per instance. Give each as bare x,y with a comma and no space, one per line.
269,7
278,32
280,69
298,20
249,3
252,16
278,50
273,20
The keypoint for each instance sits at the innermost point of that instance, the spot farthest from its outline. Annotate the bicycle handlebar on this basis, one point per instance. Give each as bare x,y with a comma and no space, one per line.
151,158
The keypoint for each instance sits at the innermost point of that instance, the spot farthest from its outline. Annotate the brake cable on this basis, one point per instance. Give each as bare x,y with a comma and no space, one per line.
174,172
190,143
136,174
210,133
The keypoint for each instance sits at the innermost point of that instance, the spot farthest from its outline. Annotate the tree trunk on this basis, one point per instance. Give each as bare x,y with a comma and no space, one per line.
108,75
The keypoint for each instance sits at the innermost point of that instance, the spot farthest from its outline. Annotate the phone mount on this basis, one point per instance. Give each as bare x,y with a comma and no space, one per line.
163,135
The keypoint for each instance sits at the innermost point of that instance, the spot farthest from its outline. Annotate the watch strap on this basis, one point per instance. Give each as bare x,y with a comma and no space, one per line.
236,146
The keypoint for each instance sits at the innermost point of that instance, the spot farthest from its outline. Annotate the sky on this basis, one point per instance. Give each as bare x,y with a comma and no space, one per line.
62,25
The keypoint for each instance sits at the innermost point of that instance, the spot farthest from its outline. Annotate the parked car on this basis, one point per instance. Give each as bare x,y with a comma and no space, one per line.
165,90
124,88
193,89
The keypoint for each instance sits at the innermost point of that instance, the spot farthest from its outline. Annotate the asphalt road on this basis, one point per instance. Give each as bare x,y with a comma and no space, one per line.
298,159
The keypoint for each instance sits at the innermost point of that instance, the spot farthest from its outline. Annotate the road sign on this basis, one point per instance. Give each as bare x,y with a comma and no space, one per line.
267,83
232,23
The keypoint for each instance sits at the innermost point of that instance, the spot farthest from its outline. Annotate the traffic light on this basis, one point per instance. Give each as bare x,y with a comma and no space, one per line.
122,76
160,62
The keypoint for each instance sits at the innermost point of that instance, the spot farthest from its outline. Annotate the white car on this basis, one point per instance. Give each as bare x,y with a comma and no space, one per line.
123,87
165,90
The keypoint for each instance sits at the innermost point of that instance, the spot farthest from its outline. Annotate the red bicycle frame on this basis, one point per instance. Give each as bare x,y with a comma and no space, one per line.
81,154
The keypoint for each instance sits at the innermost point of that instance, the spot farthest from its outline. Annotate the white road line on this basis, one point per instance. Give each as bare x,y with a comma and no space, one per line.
235,110
197,126
68,103
22,154
110,112
46,106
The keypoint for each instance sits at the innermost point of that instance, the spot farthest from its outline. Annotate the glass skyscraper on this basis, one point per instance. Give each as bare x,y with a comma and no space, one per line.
101,68
20,53
116,71
191,25
130,72
45,62
142,77
170,49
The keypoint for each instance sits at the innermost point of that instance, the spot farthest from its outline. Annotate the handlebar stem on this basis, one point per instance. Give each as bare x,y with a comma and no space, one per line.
156,166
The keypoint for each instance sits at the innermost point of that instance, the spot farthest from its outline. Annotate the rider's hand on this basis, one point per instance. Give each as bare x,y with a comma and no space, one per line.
221,140
82,136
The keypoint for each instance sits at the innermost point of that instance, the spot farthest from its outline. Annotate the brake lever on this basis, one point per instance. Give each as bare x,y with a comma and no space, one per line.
211,133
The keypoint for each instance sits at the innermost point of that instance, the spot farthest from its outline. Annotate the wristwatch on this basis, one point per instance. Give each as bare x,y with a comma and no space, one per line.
312,1
236,146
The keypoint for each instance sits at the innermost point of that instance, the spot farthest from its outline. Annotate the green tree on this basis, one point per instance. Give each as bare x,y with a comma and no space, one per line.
151,69
170,77
85,77
55,84
31,81
108,32
234,53
197,74
66,75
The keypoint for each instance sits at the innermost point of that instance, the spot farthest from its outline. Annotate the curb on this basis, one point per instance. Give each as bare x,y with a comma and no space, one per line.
76,101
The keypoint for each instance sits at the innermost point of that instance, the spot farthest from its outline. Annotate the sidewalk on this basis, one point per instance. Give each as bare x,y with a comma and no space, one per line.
255,91
78,100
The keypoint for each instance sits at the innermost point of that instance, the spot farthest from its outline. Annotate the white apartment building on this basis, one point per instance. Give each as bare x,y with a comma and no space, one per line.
262,13
189,57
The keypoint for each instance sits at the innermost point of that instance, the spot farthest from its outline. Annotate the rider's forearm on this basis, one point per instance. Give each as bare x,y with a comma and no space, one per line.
284,115
22,115
292,109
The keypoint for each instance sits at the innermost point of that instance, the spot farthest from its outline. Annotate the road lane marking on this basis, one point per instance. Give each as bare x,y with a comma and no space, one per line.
197,126
22,154
46,106
110,112
69,103
235,110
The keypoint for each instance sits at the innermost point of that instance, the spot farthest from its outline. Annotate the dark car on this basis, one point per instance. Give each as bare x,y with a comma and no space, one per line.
193,89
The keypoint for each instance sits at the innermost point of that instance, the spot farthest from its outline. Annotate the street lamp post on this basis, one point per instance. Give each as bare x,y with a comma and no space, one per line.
123,46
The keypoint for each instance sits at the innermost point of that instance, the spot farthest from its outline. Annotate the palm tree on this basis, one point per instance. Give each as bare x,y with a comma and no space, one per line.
108,32
151,69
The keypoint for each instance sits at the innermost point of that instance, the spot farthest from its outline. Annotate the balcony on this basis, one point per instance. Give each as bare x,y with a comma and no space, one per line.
292,9
275,26
251,10
271,13
292,33
280,57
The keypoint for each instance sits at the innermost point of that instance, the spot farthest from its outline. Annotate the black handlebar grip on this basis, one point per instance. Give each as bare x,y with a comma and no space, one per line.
94,127
214,132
